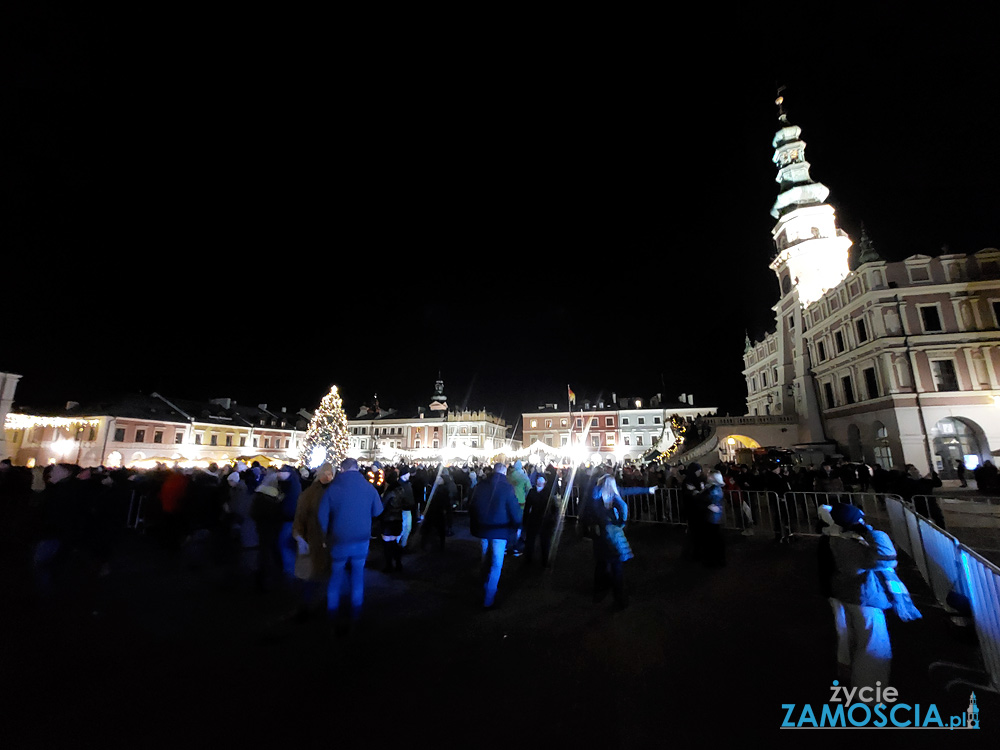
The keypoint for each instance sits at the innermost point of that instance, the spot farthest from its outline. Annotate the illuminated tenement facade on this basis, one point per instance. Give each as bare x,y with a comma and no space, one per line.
141,429
618,429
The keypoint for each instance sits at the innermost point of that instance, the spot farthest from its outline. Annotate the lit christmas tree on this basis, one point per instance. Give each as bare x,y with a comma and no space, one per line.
326,438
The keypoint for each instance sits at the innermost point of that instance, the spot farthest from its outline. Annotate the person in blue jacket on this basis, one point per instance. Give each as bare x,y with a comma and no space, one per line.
494,517
603,519
290,487
345,515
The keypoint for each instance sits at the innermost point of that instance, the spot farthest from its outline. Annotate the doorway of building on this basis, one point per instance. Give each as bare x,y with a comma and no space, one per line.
957,441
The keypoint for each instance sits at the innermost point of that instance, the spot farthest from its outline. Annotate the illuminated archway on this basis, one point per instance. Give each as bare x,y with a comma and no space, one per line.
730,444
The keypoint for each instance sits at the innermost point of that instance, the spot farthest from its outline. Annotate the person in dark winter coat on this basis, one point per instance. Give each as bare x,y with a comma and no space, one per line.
392,524
439,507
267,516
345,513
539,520
60,526
290,487
777,485
409,505
827,481
494,517
691,486
713,546
920,491
827,569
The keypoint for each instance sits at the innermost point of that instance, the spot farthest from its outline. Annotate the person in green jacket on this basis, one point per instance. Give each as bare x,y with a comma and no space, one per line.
517,477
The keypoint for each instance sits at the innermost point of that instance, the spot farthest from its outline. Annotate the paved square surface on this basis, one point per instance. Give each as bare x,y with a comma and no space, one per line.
166,651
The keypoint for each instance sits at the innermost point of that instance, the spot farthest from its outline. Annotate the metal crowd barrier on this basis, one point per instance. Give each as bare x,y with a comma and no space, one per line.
759,511
803,508
983,579
948,566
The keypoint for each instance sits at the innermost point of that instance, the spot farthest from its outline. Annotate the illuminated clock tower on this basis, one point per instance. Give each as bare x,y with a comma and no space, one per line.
812,251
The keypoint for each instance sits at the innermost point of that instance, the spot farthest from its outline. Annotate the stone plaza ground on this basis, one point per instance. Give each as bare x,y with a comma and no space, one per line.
165,652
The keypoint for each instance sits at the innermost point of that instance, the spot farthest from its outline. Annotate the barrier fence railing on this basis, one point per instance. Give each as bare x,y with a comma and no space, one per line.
758,511
946,565
949,567
974,499
983,581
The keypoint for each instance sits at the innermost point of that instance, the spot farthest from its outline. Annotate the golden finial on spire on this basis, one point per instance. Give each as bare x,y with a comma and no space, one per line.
780,101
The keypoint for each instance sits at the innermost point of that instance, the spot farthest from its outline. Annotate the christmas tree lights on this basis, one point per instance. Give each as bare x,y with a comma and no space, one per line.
326,439
678,427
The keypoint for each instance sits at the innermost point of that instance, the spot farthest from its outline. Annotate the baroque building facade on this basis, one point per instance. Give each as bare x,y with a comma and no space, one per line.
430,433
890,363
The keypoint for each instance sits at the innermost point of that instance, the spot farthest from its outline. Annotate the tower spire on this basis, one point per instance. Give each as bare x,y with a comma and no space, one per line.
866,250
812,251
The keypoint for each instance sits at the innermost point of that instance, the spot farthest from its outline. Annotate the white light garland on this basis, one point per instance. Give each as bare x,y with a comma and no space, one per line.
28,421
539,449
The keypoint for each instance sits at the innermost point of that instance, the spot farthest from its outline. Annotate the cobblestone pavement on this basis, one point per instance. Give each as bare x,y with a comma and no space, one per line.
165,651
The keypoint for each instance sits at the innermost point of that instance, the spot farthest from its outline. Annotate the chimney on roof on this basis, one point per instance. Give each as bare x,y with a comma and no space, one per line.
262,406
72,405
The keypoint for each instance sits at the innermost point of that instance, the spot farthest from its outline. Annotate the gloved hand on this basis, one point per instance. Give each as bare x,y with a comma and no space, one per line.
303,545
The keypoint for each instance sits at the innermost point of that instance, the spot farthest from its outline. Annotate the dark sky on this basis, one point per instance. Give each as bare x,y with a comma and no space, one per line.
260,206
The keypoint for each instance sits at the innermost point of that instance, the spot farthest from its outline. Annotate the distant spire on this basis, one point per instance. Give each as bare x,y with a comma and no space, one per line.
866,250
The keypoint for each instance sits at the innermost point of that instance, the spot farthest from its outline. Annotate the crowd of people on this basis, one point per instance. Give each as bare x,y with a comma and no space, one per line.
312,530
223,505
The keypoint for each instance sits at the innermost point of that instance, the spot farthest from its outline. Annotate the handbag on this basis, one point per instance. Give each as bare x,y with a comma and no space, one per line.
617,542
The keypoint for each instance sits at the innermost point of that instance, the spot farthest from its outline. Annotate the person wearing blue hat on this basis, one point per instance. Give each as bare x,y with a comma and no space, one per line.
865,582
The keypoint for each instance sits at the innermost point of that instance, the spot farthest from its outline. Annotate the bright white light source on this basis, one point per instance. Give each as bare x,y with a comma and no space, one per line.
317,456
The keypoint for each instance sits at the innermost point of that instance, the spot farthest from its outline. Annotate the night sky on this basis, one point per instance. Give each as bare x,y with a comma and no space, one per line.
258,207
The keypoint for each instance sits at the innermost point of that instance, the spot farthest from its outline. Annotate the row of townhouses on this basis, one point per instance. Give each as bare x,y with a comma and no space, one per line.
141,430
620,429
